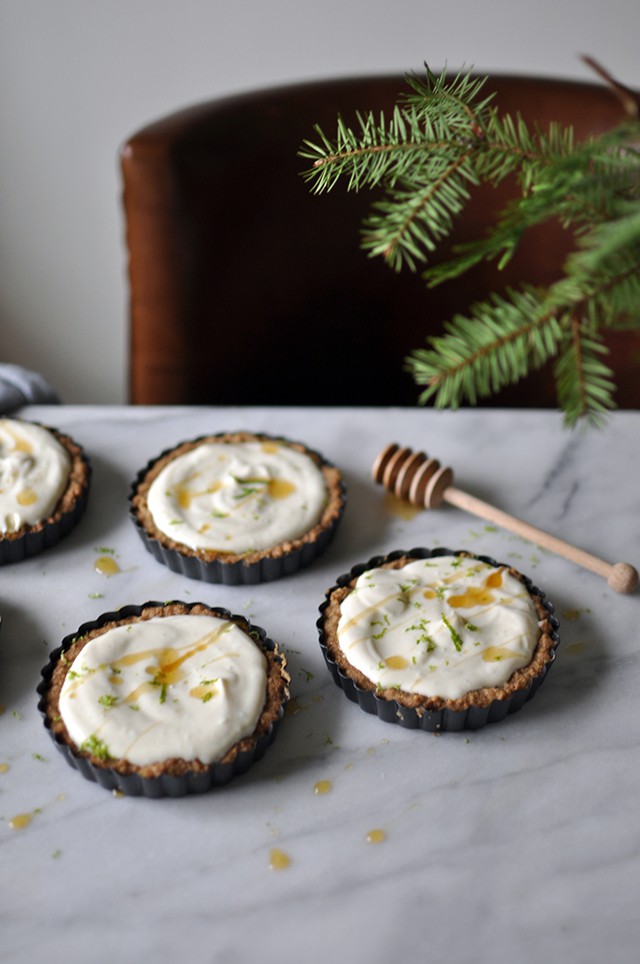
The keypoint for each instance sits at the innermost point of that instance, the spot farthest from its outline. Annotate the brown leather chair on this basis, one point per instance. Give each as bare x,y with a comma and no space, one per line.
248,289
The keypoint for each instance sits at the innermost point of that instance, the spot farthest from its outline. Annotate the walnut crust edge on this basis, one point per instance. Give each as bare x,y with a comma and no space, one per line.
330,515
521,679
276,697
77,485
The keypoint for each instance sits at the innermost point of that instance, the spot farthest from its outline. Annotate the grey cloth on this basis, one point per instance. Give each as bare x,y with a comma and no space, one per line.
19,386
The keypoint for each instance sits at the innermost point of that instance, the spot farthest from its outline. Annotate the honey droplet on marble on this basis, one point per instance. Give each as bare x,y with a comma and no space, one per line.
278,859
576,648
106,566
20,821
376,836
400,508
322,787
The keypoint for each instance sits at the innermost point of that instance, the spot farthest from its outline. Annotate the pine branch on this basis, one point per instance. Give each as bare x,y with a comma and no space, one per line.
504,338
445,137
373,153
495,346
584,382
413,220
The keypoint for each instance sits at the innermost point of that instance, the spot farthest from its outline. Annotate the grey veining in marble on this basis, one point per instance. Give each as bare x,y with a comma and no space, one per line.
519,842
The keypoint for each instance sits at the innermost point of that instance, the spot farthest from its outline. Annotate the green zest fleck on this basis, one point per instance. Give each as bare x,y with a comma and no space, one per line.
424,637
384,622
407,586
471,627
108,699
245,492
158,681
96,747
455,637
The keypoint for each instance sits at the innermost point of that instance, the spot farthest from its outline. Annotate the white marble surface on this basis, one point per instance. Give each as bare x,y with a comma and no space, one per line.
518,842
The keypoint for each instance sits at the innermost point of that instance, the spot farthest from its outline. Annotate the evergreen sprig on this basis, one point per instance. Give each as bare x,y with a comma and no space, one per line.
444,138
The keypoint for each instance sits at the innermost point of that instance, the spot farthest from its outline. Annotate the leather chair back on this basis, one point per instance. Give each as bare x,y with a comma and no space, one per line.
247,289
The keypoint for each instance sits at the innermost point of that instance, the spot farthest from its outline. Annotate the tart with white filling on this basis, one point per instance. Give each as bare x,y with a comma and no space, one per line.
44,486
164,699
438,640
237,507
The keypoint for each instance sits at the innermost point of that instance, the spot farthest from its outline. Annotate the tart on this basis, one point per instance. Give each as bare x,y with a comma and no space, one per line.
44,487
237,507
436,639
164,699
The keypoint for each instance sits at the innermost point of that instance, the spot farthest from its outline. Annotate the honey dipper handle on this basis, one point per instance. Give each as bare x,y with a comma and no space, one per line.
621,577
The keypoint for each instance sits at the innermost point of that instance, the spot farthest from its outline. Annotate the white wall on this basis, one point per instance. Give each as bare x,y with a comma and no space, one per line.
78,76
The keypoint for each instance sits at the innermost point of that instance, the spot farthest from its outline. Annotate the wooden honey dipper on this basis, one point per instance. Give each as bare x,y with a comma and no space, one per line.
416,478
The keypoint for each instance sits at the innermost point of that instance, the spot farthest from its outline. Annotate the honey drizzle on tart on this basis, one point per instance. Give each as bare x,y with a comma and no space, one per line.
176,689
438,628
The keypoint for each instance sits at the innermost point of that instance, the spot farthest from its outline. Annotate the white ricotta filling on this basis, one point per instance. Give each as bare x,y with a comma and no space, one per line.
34,472
237,497
438,627
183,686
